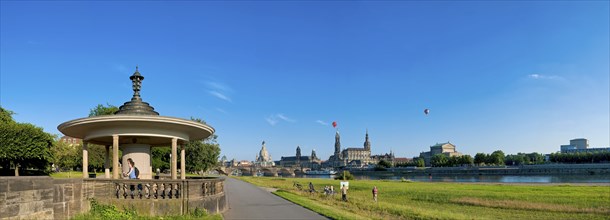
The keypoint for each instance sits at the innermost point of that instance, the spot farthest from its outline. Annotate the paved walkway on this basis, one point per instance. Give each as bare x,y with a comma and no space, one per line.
247,201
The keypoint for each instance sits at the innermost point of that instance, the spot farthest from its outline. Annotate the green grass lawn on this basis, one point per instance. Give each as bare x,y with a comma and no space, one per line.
72,174
424,200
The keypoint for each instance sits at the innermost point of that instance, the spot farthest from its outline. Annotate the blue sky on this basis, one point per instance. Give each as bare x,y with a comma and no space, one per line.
517,76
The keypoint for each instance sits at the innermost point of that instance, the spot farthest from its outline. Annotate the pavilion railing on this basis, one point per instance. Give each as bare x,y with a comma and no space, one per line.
166,189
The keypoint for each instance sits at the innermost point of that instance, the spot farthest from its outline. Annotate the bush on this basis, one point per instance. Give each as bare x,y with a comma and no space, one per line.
102,211
345,175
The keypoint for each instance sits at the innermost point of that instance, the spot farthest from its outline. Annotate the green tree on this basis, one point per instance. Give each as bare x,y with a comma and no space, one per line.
345,175
96,154
161,158
23,144
420,162
466,160
480,158
6,116
65,156
439,160
103,110
384,164
497,158
202,155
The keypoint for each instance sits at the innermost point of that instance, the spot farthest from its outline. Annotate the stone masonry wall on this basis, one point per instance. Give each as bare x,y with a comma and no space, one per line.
42,197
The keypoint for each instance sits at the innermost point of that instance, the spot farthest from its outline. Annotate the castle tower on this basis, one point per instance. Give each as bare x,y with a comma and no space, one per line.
367,143
337,145
313,154
298,155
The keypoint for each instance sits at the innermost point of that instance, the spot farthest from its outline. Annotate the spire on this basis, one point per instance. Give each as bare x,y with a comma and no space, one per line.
367,143
298,156
337,145
136,106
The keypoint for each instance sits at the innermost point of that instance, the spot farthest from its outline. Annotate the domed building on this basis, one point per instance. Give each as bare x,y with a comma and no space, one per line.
263,159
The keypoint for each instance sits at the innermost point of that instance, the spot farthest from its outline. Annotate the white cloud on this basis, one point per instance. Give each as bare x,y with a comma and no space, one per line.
321,122
271,120
543,77
221,110
281,116
275,118
218,86
220,96
219,90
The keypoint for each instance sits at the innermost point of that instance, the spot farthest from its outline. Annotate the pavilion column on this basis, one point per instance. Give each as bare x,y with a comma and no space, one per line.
174,164
107,163
115,156
182,162
85,160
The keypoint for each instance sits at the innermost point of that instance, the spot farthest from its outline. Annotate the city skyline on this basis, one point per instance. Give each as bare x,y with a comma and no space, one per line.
510,76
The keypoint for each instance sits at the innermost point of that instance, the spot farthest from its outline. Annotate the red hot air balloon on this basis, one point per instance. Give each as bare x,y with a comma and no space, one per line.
427,111
334,124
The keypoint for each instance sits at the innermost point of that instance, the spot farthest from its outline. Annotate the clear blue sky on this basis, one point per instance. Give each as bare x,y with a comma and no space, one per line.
517,76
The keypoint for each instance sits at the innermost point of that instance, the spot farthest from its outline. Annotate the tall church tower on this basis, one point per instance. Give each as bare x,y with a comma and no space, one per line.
298,152
367,143
337,145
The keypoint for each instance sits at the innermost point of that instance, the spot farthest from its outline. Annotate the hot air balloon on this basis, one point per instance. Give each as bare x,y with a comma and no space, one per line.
334,124
427,111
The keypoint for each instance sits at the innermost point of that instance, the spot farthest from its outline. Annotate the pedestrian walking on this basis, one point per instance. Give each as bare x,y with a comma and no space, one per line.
375,191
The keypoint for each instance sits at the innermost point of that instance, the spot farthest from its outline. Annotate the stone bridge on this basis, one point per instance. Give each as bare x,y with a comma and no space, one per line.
265,171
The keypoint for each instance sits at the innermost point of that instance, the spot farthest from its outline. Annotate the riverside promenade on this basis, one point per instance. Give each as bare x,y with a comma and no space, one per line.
247,201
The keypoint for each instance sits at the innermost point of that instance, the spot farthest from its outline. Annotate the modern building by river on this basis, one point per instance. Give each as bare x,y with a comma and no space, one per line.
580,145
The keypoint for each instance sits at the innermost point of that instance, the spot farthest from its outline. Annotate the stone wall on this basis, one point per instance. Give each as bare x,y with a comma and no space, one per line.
43,197
40,198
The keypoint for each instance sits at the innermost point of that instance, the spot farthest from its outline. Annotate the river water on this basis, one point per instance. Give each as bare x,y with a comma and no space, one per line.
485,178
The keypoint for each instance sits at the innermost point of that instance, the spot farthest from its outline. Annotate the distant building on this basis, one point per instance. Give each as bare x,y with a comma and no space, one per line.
387,157
263,158
336,160
359,156
244,163
580,145
312,161
354,156
447,149
71,140
402,160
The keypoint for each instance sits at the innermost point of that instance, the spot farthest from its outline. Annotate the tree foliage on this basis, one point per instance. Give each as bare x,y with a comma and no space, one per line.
581,157
420,162
453,161
202,155
103,110
480,158
524,159
384,164
23,144
6,116
66,155
439,160
496,158
345,175
161,158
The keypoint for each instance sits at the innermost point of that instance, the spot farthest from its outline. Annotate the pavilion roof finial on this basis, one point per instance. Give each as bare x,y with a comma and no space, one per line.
136,80
136,105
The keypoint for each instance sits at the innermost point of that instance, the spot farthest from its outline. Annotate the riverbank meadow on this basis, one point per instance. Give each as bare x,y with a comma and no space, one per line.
426,200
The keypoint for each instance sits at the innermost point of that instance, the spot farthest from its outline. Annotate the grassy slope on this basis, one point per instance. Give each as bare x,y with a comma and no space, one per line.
418,200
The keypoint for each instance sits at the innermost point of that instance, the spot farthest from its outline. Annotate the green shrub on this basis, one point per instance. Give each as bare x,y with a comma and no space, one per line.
345,175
